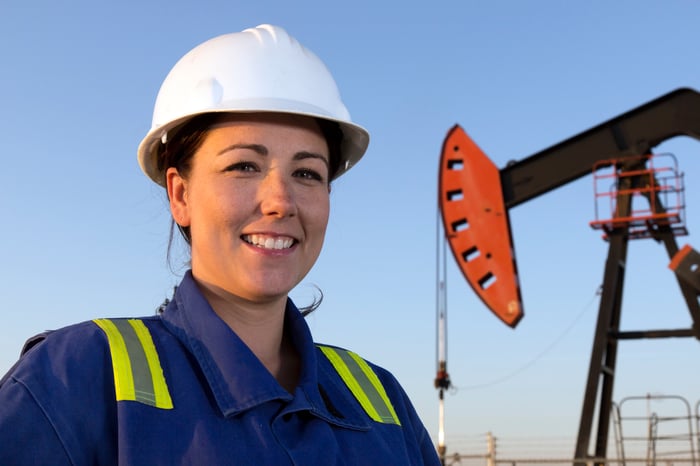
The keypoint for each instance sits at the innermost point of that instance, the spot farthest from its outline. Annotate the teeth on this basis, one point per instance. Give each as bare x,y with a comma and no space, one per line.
268,242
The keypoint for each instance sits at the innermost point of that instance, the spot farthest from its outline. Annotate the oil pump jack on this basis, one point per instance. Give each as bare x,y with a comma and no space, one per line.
475,197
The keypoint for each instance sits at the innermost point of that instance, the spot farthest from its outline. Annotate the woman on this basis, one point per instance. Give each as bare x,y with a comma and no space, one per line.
248,132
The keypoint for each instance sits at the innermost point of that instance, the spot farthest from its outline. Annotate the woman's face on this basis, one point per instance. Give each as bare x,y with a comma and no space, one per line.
256,199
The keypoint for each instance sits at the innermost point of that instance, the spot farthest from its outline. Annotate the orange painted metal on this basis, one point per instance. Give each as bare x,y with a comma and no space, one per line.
476,225
680,257
657,184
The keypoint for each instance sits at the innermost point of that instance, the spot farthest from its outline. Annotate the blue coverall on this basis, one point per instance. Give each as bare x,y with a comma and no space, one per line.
58,406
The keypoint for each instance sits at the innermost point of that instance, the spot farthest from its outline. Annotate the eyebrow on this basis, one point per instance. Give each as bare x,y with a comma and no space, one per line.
262,150
259,148
311,155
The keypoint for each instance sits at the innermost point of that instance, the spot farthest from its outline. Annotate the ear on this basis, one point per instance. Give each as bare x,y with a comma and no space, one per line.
176,186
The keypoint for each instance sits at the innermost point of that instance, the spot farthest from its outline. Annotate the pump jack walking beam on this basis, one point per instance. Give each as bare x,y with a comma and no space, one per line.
475,198
633,133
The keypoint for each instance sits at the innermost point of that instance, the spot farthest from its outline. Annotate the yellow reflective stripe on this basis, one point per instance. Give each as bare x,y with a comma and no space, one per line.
121,365
351,382
138,375
363,383
160,388
140,372
374,380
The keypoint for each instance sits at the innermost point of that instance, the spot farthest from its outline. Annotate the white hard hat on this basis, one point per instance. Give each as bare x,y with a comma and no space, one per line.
261,69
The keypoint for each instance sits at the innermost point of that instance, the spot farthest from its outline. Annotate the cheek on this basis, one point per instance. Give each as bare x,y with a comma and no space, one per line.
322,212
314,211
210,213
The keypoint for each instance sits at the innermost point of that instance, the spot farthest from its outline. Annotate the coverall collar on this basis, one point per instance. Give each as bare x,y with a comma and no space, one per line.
237,378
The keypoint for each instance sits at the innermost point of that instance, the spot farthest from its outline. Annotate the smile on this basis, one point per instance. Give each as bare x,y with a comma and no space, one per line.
268,242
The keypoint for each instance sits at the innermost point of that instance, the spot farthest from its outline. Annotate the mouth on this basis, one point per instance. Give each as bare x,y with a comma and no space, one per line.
269,242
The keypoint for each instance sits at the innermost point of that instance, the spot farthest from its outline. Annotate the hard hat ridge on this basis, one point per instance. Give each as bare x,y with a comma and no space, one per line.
261,69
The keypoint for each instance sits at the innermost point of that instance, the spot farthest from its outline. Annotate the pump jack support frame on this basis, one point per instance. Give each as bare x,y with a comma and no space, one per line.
633,133
601,371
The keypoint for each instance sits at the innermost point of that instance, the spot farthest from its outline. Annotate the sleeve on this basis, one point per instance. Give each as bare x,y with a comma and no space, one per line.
54,405
414,430
26,435
425,443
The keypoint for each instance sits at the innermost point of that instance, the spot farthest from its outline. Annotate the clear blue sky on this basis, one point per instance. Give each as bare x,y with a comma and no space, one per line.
85,233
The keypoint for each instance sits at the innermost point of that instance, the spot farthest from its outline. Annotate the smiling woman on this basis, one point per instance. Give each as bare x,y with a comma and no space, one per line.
248,133
272,172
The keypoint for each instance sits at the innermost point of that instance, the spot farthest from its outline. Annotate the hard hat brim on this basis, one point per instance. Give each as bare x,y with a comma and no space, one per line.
352,148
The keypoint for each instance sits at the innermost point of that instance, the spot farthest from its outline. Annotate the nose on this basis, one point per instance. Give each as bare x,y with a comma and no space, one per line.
277,195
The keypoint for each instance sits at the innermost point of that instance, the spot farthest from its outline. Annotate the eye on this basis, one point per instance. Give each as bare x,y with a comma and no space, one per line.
242,167
308,174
